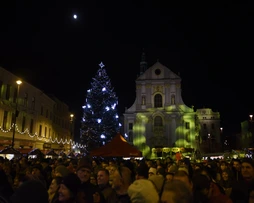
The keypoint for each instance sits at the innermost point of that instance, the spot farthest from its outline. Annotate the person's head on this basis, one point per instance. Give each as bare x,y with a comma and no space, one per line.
103,177
169,176
121,179
225,175
143,190
176,191
142,171
223,165
54,186
69,187
84,172
251,196
36,169
202,187
61,171
93,179
184,177
236,164
30,191
152,171
247,169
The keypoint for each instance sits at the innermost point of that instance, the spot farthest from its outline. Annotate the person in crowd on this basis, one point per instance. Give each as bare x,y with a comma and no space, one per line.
142,171
226,181
236,169
46,171
184,177
69,188
169,176
93,179
6,189
30,191
241,188
89,191
158,181
152,171
38,174
53,189
61,170
205,191
103,183
176,191
122,179
143,190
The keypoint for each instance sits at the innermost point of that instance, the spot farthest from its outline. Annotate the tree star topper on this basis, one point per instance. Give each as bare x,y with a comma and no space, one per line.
101,65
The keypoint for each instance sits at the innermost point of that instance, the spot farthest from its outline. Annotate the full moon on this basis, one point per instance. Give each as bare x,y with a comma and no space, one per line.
75,16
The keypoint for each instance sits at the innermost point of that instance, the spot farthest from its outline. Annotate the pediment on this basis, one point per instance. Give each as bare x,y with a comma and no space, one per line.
158,71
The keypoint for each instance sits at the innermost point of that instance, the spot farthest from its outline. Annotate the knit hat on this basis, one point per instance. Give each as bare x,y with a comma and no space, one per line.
62,170
84,165
200,182
143,190
29,192
72,182
37,166
248,160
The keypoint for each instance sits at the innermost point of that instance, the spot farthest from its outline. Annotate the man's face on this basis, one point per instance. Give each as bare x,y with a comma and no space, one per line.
36,171
247,171
64,193
102,178
237,165
84,174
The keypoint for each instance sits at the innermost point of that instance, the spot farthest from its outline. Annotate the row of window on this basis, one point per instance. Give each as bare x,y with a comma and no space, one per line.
158,122
158,100
47,132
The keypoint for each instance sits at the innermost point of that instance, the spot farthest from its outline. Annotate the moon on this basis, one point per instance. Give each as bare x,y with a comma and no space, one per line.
75,16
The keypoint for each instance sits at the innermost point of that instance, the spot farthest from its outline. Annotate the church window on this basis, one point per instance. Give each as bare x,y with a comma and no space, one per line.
157,101
187,125
173,99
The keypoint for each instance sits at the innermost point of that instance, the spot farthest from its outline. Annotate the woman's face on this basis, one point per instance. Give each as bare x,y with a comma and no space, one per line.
224,175
223,166
64,193
53,186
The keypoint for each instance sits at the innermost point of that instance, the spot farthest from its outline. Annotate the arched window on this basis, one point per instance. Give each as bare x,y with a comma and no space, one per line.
157,101
158,121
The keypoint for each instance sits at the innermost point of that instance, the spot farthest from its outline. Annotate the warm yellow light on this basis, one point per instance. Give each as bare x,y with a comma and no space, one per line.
251,117
72,115
19,82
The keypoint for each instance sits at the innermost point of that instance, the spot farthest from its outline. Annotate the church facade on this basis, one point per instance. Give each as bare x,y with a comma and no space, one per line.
159,121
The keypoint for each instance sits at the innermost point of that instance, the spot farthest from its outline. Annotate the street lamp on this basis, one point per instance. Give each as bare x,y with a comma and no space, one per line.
18,82
251,128
71,130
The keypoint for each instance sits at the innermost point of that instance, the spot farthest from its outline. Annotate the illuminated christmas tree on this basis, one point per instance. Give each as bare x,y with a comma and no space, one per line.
100,122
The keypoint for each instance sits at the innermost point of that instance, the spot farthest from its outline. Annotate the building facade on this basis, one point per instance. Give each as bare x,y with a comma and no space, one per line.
41,121
159,121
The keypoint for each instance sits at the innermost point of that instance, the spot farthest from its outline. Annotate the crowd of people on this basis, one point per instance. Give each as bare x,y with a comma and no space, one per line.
93,180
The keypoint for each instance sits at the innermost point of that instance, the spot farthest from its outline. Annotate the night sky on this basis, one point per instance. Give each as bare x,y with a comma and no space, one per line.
210,45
